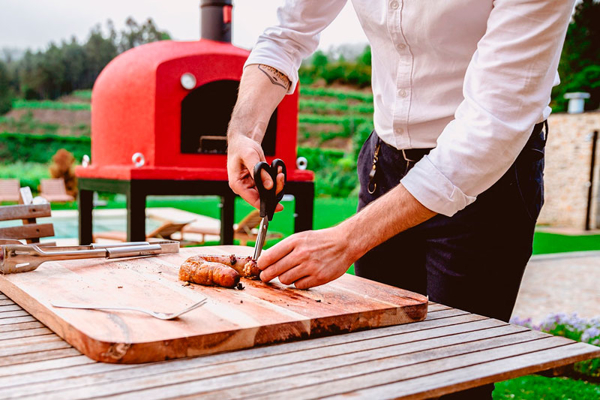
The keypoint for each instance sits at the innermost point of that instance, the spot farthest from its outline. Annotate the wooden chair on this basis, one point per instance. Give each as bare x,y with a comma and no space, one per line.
245,231
165,232
30,230
9,189
54,191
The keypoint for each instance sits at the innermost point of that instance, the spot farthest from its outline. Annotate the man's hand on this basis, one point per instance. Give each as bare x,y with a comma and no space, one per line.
307,259
313,258
261,89
243,154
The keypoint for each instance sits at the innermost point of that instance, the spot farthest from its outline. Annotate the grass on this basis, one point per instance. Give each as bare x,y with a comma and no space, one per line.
534,387
548,243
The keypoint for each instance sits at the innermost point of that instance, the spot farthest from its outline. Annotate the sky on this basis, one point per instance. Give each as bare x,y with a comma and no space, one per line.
35,23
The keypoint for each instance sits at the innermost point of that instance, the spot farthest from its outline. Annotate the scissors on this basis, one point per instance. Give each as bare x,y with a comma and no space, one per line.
268,199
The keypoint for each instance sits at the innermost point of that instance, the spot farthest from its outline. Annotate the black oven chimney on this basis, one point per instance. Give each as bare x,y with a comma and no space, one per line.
215,20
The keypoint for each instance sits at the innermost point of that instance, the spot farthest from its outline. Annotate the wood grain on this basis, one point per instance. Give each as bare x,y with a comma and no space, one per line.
27,231
8,213
232,319
451,350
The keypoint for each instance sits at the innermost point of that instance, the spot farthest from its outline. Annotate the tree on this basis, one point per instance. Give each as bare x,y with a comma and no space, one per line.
5,92
580,55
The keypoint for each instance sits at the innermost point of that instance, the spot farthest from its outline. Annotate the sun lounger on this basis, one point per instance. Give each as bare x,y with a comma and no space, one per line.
54,191
9,189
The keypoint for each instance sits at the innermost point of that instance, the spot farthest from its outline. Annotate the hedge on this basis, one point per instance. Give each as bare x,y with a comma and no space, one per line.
23,147
50,105
338,94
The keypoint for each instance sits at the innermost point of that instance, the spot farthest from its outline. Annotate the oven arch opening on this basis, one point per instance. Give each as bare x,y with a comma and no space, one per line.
205,115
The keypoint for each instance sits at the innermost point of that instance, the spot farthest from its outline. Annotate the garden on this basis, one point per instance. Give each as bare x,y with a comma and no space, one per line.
45,115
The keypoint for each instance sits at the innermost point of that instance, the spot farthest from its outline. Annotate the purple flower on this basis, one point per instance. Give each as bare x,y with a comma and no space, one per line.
590,334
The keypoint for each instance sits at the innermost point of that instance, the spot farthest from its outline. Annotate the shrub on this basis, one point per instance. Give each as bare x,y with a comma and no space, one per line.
574,328
23,147
338,94
335,172
62,168
49,105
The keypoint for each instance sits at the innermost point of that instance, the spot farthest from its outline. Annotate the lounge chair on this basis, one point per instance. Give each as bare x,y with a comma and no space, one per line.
246,231
165,231
54,191
9,189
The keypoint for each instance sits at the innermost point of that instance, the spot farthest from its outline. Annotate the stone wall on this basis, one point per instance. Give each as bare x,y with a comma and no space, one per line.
568,159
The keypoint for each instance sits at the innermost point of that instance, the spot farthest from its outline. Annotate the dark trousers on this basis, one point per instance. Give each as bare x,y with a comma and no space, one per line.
473,260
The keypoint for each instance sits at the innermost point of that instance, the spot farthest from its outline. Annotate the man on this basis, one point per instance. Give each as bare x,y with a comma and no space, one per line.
461,91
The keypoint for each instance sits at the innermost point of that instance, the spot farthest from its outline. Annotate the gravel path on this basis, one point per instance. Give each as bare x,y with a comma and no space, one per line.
566,282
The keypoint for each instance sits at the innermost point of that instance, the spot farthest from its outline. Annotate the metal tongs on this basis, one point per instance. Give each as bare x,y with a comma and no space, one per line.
24,258
268,199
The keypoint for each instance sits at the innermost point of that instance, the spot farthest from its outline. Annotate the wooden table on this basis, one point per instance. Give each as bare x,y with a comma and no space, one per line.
449,351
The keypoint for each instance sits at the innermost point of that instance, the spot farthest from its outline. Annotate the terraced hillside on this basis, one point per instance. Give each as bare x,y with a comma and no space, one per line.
333,123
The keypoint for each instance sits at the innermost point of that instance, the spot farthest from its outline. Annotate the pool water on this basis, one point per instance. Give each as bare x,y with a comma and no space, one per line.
66,224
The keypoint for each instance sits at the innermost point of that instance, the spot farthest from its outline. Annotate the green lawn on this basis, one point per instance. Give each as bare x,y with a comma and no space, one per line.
534,387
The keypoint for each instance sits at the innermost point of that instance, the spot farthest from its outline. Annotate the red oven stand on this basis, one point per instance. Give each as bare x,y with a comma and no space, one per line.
136,191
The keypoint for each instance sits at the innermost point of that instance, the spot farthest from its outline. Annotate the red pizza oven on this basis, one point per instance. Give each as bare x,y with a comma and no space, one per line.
167,105
159,122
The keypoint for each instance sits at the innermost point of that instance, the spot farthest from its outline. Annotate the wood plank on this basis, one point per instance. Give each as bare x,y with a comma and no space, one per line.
45,365
231,319
364,375
45,354
3,296
251,371
20,326
7,343
432,307
16,320
445,314
6,302
438,384
461,323
9,213
12,307
30,231
34,347
13,314
24,333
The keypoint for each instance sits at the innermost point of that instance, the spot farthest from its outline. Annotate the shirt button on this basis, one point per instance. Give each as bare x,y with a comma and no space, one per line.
394,5
399,131
401,46
402,93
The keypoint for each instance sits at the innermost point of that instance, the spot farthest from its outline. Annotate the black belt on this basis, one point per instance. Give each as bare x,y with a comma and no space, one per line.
409,155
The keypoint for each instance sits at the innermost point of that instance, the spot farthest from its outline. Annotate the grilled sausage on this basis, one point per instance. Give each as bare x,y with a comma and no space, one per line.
204,272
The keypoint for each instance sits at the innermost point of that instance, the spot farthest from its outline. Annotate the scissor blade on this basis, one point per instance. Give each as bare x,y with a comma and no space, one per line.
260,238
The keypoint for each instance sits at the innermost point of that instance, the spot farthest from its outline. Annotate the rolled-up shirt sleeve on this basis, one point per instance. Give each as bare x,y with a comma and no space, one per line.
506,89
295,37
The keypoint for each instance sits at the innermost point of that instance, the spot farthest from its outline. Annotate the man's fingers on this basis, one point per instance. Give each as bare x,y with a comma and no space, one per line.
292,275
280,182
278,269
275,253
266,179
307,282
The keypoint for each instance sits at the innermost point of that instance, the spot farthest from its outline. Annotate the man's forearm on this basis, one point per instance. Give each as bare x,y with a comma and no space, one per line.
382,219
261,90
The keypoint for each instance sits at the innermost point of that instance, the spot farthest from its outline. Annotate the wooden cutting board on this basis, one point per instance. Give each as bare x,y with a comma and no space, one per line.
232,319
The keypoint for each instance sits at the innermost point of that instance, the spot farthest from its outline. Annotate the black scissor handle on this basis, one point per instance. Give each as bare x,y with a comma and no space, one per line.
269,198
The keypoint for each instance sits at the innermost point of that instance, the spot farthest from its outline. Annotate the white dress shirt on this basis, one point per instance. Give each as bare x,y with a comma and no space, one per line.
468,77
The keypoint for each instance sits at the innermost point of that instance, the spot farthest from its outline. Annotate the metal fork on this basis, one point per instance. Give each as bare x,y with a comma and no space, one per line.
155,314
